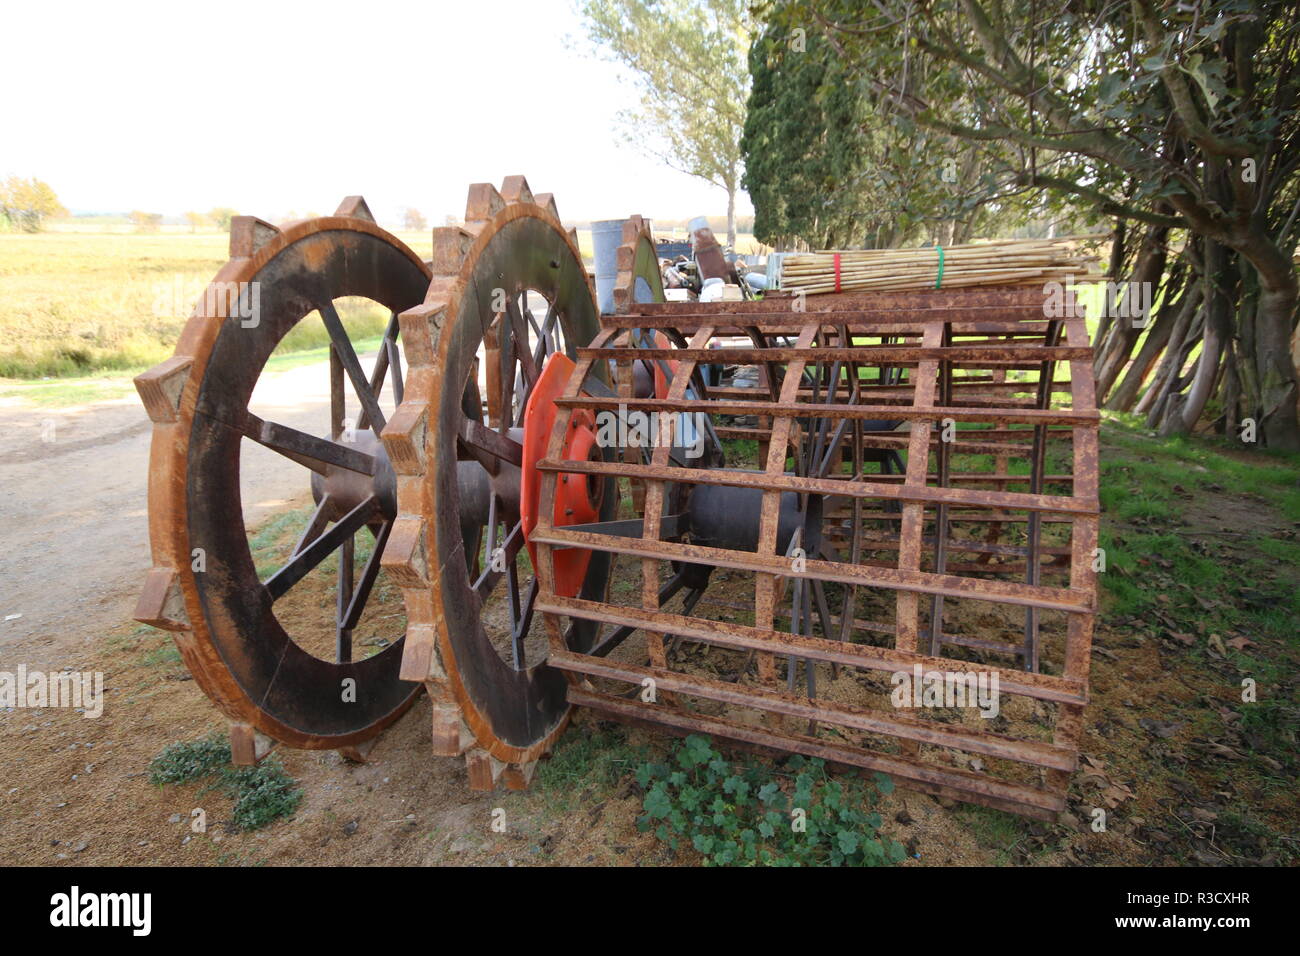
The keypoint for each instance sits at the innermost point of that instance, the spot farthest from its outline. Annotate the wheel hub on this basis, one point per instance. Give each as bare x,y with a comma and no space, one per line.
347,489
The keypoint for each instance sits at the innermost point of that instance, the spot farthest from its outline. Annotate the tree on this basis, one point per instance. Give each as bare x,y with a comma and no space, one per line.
145,221
824,168
196,220
221,217
688,58
414,220
26,203
1180,121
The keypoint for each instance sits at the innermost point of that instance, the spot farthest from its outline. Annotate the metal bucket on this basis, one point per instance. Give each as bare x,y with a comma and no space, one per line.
605,239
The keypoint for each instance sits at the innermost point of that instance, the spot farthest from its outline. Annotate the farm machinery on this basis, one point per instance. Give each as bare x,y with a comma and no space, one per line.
900,505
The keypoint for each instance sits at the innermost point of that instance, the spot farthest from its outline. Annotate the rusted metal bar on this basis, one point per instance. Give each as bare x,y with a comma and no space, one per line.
921,582
843,715
865,354
1044,687
1031,416
829,486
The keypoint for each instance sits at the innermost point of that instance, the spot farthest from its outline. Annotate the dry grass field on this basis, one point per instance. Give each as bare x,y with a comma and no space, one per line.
77,304
107,302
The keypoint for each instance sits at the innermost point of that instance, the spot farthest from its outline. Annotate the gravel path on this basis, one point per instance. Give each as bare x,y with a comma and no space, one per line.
74,542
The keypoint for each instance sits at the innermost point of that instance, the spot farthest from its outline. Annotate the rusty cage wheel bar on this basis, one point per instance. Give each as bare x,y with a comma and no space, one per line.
929,568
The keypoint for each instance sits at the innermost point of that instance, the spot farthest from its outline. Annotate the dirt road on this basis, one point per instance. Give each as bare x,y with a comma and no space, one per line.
74,543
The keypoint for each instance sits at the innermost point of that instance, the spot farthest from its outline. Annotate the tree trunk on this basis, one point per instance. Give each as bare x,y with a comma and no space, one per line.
1274,368
1113,270
1275,373
1218,327
731,216
1170,377
1171,316
1186,331
1125,333
1230,390
1245,343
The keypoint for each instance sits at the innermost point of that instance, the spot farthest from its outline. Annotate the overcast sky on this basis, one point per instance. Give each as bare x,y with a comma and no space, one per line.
276,106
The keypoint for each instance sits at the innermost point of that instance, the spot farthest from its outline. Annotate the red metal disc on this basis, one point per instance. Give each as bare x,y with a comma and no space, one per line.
576,500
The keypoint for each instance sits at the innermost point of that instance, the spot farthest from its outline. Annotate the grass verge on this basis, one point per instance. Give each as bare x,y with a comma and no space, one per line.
261,794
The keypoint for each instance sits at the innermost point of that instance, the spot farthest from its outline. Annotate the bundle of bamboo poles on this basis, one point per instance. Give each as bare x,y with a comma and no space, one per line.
1002,262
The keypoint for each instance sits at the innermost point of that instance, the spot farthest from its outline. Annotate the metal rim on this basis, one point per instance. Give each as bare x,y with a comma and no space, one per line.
223,616
512,707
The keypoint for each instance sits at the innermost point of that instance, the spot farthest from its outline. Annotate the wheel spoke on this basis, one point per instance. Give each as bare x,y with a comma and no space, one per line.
612,640
386,359
490,544
827,620
351,364
831,448
848,609
301,564
519,343
395,363
824,447
544,346
308,450
357,603
376,383
343,633
512,605
521,389
506,387
528,314
489,447
796,629
315,525
510,547
385,356
338,397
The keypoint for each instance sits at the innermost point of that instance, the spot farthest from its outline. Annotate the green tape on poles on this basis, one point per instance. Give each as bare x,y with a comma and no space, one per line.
938,280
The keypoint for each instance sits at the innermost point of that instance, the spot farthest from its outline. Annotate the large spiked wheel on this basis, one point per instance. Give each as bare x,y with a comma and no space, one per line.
509,291
205,584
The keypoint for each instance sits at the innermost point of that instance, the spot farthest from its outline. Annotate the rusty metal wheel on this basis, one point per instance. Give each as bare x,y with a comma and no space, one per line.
206,586
508,307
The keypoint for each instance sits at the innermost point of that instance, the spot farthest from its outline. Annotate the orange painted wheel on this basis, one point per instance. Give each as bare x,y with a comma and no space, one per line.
578,497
